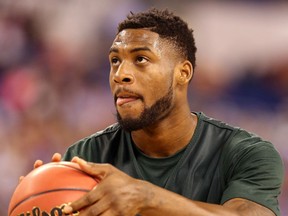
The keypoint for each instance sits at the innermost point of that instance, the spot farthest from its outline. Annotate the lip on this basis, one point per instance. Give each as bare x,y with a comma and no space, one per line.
125,98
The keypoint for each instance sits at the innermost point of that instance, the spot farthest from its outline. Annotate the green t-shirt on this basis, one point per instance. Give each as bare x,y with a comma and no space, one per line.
220,163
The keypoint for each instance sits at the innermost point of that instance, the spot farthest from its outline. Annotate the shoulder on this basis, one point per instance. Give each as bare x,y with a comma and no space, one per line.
98,142
213,122
214,127
238,139
105,134
251,166
108,130
246,145
213,131
242,150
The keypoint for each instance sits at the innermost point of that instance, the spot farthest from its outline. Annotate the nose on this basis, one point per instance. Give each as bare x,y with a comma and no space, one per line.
123,75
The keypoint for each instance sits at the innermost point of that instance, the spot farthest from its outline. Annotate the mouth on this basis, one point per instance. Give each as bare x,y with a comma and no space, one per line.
123,98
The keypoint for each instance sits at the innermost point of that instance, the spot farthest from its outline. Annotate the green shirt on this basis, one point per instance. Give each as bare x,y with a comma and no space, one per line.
220,163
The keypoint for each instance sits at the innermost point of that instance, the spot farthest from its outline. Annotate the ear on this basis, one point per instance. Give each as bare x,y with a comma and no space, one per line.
184,73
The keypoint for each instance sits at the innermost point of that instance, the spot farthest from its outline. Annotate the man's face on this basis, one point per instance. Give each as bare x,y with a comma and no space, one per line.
141,78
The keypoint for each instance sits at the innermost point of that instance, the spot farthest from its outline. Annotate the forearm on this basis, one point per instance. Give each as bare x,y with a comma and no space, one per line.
163,202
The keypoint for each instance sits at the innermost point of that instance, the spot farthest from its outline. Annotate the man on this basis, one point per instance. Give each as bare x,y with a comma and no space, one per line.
161,159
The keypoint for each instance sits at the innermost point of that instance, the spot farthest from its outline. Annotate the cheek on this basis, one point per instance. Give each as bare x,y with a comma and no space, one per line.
156,90
111,82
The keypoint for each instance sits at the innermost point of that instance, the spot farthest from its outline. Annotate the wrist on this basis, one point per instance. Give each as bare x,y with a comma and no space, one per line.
149,197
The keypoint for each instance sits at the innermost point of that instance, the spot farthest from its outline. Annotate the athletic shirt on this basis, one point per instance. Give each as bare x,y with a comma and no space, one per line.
220,163
157,170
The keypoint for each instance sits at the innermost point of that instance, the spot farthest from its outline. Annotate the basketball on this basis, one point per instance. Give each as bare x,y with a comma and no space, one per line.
46,189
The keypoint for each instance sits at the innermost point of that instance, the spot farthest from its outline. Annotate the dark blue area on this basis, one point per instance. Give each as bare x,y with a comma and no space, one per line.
253,92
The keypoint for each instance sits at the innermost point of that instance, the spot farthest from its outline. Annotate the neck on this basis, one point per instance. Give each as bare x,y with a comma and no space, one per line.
167,137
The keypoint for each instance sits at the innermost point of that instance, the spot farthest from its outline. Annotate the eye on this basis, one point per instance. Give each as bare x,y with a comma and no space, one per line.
141,60
115,61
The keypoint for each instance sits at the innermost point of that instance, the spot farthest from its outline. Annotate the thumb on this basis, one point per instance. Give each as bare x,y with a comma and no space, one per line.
100,171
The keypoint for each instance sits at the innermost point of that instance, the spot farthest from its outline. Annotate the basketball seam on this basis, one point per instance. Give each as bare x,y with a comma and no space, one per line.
47,191
78,169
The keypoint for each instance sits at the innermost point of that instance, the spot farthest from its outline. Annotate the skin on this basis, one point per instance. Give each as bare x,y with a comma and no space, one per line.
140,63
142,72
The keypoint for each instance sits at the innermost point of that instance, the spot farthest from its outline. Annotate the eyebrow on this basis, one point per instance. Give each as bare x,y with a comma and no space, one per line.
116,50
140,49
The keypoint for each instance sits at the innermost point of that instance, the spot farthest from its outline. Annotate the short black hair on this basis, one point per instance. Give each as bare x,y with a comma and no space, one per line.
168,26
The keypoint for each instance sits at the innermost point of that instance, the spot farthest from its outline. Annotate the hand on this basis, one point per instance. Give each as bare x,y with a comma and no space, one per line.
55,158
116,193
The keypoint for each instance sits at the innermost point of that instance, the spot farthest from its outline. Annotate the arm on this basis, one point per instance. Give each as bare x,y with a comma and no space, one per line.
167,203
119,194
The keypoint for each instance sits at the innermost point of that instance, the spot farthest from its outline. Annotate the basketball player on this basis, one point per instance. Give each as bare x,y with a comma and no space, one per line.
160,158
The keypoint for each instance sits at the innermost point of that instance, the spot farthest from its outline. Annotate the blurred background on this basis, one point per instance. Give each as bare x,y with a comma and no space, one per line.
54,71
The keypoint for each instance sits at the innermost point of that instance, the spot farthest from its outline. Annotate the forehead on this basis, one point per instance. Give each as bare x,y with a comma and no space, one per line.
137,37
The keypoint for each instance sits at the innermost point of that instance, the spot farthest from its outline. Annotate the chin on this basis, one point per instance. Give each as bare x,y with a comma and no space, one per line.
129,113
129,123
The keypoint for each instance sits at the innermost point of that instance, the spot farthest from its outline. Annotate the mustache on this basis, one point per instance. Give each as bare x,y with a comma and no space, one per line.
126,90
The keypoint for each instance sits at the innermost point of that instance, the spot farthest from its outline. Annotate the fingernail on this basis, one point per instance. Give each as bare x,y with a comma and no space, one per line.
80,160
74,159
67,209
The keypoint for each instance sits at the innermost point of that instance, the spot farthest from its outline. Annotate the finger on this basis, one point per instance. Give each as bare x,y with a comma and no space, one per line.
21,178
98,170
38,163
56,157
88,199
101,207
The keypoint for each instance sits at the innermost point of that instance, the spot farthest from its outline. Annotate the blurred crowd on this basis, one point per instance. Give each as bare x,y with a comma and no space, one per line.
54,73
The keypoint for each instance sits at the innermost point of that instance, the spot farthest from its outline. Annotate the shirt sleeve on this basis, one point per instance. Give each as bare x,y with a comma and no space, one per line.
81,148
254,171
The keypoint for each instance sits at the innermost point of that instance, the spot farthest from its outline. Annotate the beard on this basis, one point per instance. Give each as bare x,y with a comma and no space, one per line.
150,115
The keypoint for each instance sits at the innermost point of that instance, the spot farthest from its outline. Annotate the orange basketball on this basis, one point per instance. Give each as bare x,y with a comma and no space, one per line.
46,189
